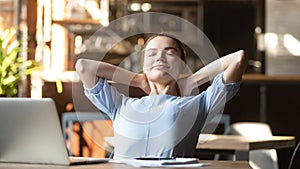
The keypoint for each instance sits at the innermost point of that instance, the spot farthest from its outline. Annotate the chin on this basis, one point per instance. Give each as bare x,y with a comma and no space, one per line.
162,77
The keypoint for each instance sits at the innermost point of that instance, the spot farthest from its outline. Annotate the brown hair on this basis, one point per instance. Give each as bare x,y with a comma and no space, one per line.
178,42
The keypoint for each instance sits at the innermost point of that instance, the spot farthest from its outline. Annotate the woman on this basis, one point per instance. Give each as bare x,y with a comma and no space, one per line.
167,122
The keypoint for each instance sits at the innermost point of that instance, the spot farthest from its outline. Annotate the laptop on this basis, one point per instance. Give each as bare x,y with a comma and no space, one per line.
30,132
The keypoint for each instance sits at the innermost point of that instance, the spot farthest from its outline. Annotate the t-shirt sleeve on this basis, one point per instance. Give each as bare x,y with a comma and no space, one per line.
105,97
219,93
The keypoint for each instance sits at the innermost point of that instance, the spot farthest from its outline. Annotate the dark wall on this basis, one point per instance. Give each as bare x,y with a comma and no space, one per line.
230,26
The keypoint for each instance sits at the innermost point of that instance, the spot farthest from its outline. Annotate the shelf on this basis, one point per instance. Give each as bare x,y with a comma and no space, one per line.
163,1
80,26
271,79
77,21
66,76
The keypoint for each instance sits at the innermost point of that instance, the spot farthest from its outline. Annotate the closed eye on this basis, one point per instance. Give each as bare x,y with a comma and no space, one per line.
171,50
151,52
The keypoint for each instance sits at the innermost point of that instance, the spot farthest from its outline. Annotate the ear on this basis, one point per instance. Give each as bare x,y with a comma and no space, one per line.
182,66
185,69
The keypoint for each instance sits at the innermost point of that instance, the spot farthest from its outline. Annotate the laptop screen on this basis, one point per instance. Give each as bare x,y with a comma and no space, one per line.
30,132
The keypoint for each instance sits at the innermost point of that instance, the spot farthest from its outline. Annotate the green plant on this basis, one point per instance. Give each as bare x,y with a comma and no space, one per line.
13,69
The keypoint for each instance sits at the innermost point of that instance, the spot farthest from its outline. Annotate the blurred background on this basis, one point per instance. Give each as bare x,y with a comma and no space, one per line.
55,32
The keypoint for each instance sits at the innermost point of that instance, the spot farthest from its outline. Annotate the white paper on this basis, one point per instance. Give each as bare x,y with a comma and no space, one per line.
177,162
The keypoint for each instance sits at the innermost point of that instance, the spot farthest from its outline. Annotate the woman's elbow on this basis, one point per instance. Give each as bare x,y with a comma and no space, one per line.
241,61
236,68
79,66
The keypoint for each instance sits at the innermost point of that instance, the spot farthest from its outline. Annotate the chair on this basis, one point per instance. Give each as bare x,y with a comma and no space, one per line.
259,159
69,118
219,124
222,120
295,159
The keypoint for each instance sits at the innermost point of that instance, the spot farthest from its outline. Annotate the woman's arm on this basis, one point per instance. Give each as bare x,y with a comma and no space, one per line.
233,65
90,71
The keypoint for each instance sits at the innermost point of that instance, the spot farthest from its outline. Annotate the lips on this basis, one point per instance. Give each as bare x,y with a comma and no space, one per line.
160,66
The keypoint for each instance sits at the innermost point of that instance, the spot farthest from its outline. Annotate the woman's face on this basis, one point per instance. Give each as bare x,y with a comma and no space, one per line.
162,62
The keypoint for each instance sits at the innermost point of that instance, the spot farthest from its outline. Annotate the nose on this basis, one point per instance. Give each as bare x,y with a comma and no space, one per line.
160,56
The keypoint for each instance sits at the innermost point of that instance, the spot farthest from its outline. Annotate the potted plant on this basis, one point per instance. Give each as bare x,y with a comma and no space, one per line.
13,69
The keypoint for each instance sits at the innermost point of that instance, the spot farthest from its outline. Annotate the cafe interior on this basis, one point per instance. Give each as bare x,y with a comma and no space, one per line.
53,34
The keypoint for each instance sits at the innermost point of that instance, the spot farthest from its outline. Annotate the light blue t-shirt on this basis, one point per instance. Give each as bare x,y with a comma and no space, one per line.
159,125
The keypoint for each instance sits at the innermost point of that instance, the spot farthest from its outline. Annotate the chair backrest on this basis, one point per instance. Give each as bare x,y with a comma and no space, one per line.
221,124
259,159
68,118
225,120
251,129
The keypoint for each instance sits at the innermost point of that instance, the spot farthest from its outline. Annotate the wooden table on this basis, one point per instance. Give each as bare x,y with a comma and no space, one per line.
241,146
210,165
234,144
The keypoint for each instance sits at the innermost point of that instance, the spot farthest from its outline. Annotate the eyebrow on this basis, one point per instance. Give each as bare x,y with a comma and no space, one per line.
166,48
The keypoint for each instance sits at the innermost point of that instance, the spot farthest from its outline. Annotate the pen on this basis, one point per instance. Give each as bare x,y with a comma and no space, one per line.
155,158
